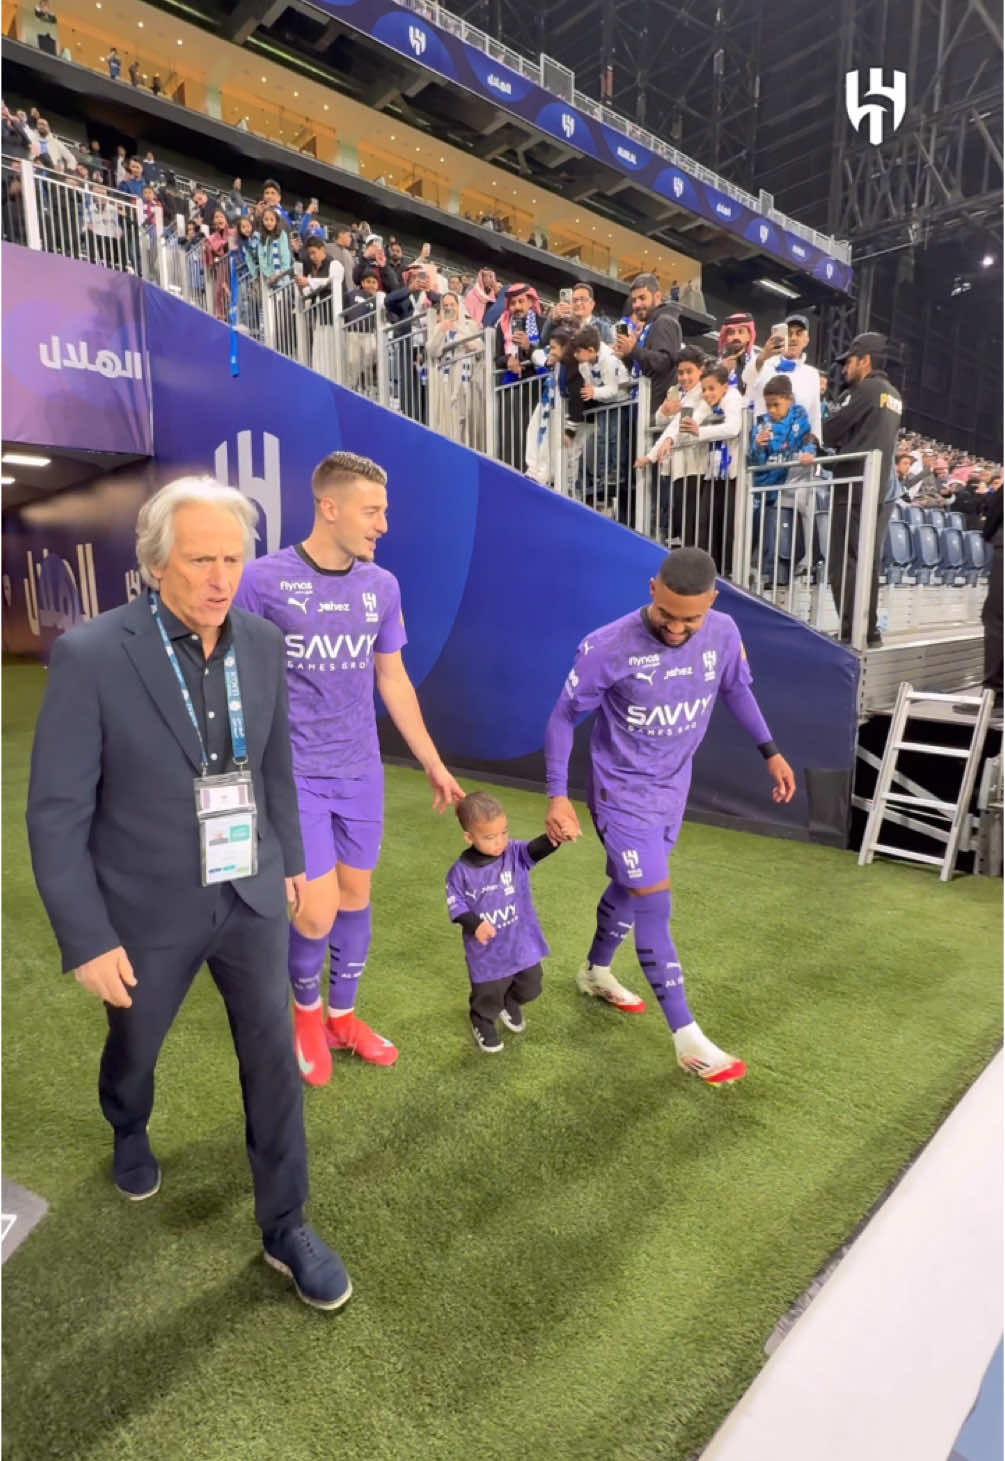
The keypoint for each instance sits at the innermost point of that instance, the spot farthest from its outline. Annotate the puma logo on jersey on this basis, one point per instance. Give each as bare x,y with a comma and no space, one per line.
300,604
649,678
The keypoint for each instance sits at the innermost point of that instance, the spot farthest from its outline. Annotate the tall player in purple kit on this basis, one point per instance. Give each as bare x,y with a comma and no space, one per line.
342,621
653,678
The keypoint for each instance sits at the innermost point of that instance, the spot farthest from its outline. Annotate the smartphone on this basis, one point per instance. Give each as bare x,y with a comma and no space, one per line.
315,203
686,413
621,328
565,296
780,332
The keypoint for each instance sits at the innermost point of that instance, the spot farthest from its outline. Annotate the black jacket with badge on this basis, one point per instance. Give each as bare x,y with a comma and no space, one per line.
658,357
867,418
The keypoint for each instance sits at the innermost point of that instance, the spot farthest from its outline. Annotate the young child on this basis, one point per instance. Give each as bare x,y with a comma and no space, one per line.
538,447
781,435
488,894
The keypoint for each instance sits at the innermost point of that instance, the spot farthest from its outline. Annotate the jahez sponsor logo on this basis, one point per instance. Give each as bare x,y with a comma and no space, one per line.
330,607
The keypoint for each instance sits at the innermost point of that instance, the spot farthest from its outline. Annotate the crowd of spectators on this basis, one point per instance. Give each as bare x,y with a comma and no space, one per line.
544,350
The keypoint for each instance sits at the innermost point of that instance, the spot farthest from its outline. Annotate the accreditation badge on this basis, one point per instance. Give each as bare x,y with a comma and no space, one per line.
228,827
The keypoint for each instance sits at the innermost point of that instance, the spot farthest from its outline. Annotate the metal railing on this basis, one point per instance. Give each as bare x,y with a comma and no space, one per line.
807,544
62,215
560,81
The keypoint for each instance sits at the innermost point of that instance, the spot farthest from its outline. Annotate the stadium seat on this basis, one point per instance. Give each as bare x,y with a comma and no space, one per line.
935,516
898,551
951,559
914,516
896,513
973,555
925,542
956,520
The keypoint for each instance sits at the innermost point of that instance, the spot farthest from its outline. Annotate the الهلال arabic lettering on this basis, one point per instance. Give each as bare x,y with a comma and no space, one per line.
56,356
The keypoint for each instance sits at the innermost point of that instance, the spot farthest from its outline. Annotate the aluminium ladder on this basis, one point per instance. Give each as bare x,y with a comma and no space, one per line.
926,813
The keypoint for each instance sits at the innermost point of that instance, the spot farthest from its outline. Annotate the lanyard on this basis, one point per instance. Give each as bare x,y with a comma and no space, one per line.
235,711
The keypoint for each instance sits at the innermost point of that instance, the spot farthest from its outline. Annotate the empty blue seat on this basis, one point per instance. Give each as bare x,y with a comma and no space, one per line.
973,555
951,561
914,516
936,516
956,520
897,513
925,541
898,551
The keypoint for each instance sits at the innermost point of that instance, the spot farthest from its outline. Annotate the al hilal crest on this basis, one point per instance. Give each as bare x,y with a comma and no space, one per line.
886,101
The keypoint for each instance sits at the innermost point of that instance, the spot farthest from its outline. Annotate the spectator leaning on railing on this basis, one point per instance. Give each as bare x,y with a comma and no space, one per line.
783,434
719,422
681,462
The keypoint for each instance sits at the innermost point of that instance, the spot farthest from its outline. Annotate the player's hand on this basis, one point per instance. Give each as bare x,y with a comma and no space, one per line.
782,775
484,932
110,976
562,823
446,792
295,892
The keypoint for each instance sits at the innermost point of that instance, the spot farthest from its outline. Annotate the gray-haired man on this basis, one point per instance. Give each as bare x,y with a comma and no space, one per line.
162,819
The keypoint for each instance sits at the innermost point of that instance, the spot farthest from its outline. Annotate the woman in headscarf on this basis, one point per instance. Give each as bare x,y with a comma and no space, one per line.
456,374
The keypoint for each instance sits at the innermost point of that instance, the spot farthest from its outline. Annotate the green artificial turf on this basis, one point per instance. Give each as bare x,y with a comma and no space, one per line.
568,1252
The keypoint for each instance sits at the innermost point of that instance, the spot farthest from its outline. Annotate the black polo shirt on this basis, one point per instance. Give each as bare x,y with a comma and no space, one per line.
207,686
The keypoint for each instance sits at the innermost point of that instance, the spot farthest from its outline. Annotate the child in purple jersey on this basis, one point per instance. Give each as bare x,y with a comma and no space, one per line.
653,678
341,619
488,895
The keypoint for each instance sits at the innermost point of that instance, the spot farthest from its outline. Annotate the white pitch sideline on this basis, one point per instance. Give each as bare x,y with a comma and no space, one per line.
888,1358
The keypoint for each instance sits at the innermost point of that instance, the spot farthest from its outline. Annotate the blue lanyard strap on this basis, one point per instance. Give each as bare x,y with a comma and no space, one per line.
235,710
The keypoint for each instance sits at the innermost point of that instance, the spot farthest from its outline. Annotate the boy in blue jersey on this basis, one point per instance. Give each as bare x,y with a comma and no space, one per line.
653,677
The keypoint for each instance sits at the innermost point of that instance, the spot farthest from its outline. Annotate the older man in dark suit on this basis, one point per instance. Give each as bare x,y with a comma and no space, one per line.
162,819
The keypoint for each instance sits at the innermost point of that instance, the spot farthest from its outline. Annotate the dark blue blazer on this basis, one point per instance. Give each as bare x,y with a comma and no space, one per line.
111,807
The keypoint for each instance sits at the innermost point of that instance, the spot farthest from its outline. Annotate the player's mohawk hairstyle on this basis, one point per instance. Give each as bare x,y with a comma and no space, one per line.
478,806
339,468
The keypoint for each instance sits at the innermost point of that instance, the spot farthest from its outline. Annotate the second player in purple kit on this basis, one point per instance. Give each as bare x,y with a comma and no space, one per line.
344,631
653,678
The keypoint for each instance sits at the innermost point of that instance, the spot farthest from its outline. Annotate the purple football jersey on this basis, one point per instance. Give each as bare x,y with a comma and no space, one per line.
333,624
499,892
654,704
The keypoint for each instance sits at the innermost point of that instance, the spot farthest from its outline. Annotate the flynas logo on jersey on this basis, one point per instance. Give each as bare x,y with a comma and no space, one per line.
643,659
370,608
667,720
263,491
330,651
709,659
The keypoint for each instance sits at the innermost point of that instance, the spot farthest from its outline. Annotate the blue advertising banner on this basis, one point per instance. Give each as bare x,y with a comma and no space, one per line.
74,372
428,45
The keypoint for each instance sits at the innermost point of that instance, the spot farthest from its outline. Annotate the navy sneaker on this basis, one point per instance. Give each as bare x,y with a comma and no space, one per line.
137,1174
318,1273
514,1020
487,1040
